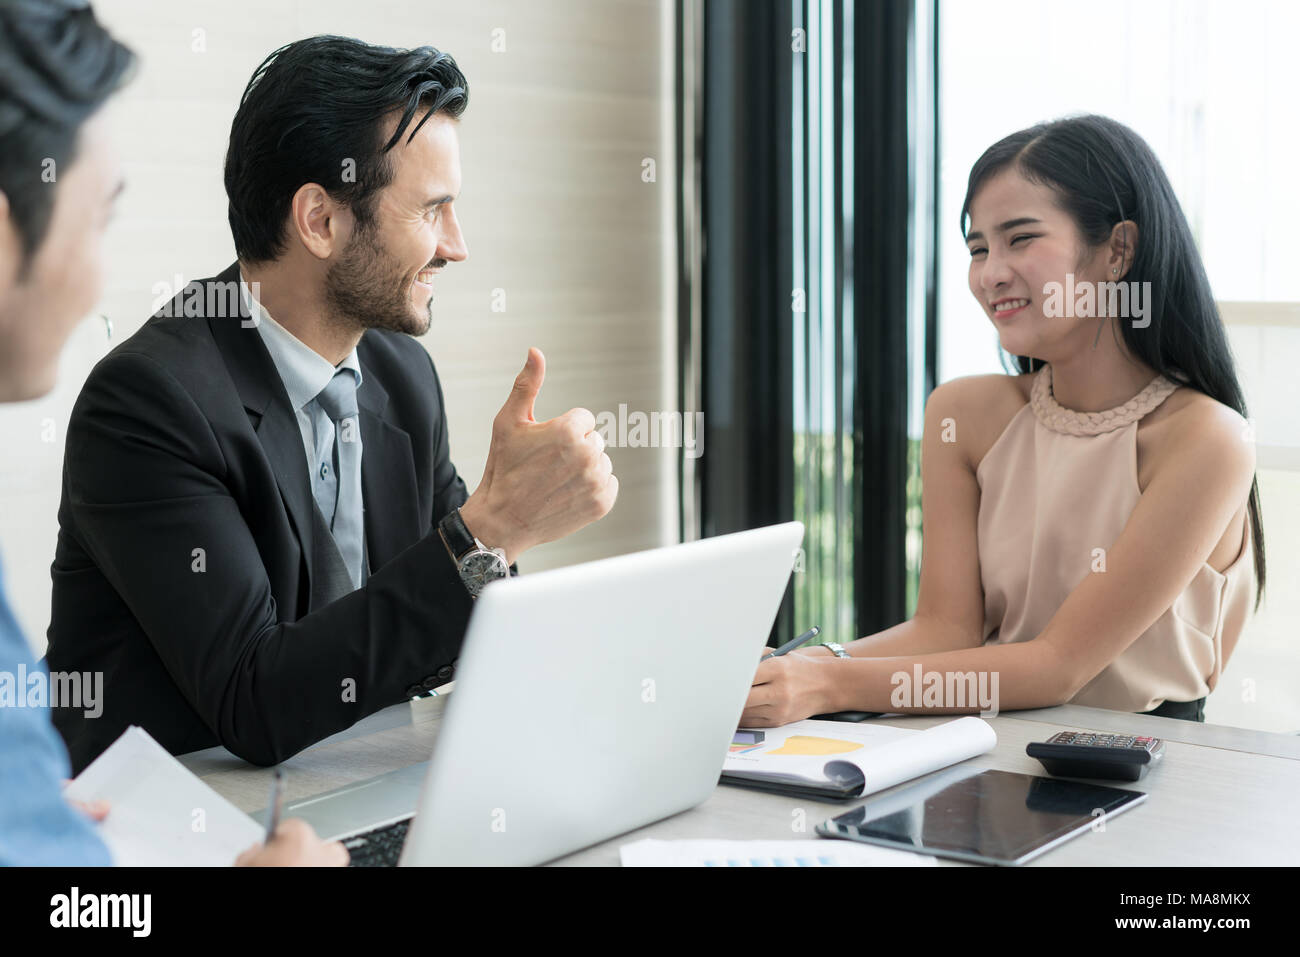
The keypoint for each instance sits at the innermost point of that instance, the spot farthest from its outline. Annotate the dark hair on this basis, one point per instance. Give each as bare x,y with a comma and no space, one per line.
1103,173
57,67
310,107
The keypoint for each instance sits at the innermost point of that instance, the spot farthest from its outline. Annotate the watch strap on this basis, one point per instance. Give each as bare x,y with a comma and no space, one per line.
455,534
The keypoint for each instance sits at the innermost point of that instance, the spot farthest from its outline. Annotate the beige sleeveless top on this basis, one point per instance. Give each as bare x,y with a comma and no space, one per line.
1056,486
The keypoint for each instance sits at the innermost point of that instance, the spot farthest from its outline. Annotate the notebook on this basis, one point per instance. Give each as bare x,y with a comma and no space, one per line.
836,761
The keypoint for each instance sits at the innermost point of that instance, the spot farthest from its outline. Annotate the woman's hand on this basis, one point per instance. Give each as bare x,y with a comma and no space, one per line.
790,688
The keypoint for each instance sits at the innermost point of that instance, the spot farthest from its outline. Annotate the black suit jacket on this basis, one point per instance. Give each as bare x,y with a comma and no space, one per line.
183,439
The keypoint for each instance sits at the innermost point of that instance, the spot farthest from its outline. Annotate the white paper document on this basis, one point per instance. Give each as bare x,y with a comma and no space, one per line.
707,853
160,814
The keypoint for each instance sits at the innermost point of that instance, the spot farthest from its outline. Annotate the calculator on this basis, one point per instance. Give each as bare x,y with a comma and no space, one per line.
1097,754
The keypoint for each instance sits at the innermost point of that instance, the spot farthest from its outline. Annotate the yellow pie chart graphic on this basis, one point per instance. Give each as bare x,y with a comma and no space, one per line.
808,744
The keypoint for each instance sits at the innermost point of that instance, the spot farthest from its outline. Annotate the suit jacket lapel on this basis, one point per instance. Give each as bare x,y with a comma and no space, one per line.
267,405
389,494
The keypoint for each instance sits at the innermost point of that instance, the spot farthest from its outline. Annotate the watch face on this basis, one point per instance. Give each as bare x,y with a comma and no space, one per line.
479,568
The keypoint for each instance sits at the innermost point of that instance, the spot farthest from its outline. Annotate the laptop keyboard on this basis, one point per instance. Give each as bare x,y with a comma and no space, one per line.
380,847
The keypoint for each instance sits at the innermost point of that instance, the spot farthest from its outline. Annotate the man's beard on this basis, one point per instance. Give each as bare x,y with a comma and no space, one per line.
366,289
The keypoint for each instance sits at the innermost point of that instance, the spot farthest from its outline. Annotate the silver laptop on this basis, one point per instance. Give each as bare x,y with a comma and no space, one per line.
589,701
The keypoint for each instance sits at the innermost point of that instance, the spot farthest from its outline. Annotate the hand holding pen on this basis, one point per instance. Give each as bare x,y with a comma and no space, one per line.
794,643
290,843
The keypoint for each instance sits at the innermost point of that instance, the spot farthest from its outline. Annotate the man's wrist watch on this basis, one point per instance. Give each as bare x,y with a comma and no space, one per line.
837,649
476,563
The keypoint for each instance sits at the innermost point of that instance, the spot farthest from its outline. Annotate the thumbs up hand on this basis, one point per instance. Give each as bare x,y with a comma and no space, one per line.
523,394
543,480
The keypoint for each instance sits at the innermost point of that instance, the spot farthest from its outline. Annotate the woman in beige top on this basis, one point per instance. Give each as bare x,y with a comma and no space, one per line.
1091,525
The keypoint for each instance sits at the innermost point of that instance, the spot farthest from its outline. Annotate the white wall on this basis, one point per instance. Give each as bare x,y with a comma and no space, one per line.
554,208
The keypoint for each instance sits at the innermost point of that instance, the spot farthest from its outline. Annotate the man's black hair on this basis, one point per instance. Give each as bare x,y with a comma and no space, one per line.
314,112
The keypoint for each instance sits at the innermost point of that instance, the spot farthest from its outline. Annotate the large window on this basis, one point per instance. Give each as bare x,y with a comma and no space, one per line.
817,285
862,215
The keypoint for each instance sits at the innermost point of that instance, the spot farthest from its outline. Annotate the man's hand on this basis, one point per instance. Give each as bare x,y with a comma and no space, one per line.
294,844
543,480
789,688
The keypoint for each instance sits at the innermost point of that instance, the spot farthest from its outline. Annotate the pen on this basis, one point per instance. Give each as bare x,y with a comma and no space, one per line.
275,804
794,643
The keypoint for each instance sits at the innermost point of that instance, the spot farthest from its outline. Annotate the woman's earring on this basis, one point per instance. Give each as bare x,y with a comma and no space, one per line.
1114,272
108,326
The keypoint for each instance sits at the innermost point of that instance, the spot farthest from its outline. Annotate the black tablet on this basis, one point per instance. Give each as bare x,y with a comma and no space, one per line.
987,817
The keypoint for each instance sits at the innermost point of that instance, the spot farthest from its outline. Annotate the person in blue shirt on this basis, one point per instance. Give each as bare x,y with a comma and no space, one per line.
36,825
59,179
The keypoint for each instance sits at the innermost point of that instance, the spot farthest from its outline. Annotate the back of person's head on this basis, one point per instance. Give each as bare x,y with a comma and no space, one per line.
58,66
1102,174
317,111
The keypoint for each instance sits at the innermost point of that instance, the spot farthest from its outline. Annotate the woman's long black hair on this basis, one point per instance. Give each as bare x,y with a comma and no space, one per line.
1103,173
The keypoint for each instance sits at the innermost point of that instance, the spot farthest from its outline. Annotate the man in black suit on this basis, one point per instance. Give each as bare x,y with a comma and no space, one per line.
262,536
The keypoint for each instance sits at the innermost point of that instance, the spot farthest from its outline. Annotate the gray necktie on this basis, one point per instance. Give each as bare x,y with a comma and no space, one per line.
339,495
